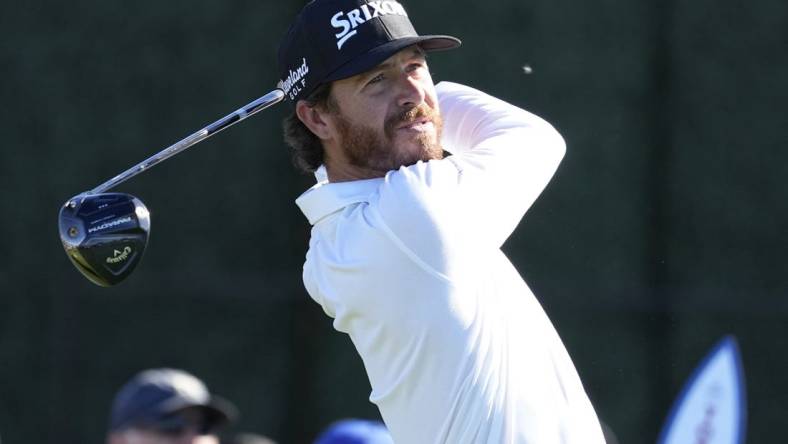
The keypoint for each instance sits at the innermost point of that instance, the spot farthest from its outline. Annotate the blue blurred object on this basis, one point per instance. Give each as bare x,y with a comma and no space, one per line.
712,406
355,431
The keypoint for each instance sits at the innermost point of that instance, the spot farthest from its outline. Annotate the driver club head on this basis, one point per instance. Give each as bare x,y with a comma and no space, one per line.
104,235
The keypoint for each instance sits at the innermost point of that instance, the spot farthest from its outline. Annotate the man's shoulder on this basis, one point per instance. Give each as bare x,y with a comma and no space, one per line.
326,198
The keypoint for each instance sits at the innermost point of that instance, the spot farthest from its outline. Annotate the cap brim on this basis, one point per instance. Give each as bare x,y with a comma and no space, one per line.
218,413
377,55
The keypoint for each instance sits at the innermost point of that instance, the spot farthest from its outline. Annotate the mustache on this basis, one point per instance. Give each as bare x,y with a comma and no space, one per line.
409,116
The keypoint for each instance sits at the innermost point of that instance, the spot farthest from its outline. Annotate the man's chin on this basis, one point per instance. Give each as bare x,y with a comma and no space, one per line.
422,153
404,158
392,150
422,145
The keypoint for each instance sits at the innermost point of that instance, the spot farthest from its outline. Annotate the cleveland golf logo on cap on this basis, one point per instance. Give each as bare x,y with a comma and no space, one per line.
349,21
295,81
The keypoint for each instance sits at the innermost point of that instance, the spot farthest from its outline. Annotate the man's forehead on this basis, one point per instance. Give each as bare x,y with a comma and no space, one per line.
410,52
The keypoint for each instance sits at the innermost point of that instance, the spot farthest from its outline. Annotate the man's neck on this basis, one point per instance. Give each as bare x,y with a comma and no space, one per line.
339,169
346,173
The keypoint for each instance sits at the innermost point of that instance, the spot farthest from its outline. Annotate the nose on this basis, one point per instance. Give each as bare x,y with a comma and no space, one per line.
411,92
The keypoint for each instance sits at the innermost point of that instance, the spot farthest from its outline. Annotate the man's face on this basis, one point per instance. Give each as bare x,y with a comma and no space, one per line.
186,428
388,117
143,436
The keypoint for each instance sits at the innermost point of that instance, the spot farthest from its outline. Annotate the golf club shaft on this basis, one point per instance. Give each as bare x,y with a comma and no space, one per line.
260,104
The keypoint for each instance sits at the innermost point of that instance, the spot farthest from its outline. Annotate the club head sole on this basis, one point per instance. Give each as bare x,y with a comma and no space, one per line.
104,235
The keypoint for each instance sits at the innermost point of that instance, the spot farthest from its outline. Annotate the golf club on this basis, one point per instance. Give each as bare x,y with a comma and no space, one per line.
105,234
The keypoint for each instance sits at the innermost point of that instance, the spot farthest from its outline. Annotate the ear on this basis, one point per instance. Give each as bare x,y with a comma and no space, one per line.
315,119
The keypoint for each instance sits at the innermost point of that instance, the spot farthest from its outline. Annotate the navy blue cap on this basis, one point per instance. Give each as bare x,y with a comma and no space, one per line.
355,431
335,39
154,398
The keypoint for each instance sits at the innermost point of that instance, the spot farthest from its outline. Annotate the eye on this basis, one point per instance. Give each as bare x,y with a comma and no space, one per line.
378,78
414,66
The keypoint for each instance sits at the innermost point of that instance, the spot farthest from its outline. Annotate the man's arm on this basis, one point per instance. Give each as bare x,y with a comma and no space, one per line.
506,156
445,213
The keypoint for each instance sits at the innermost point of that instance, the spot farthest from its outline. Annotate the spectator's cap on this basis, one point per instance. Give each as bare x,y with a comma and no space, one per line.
355,431
335,39
155,399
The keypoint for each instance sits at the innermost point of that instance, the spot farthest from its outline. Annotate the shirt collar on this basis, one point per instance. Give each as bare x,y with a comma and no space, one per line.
329,197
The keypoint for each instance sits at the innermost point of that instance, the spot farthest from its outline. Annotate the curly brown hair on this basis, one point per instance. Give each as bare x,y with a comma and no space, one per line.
307,147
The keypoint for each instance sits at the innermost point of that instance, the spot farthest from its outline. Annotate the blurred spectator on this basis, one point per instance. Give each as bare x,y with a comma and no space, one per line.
167,406
355,431
248,438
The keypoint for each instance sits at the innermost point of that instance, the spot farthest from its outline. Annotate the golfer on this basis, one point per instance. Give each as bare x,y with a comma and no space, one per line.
405,250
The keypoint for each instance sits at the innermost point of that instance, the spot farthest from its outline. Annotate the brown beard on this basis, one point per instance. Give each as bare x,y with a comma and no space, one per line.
369,149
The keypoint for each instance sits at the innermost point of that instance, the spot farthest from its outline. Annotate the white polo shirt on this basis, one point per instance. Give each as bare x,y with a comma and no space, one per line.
456,346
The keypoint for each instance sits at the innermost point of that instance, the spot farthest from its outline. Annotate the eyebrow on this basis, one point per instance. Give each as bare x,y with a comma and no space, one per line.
417,51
